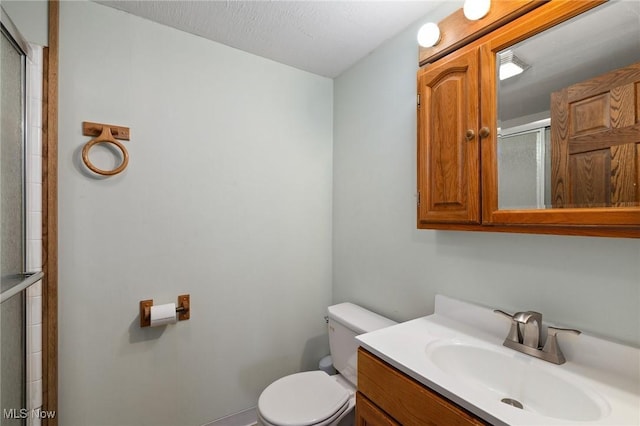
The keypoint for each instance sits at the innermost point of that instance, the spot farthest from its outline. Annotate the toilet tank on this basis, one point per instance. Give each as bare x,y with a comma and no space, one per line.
346,321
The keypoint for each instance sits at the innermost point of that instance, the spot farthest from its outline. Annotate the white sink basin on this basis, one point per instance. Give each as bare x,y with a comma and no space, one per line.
517,378
458,353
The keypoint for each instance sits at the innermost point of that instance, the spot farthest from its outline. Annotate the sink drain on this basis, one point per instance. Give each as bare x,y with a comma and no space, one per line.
512,402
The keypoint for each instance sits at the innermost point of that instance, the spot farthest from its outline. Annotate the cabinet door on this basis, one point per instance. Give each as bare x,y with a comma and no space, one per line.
448,152
594,153
367,414
407,401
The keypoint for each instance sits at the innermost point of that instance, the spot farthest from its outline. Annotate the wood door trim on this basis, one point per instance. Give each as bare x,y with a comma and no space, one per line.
50,219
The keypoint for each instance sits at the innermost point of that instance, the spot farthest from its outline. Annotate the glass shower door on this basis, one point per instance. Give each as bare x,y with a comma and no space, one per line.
13,279
12,308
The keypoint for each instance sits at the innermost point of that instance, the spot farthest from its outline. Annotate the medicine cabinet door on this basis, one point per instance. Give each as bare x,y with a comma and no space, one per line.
581,78
448,151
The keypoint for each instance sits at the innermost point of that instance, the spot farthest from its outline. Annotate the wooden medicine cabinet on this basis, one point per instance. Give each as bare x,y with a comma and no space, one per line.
554,149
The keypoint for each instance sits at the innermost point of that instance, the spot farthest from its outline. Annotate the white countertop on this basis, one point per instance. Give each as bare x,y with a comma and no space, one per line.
603,373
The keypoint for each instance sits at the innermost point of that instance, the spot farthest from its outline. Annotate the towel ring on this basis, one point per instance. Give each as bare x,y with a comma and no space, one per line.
105,137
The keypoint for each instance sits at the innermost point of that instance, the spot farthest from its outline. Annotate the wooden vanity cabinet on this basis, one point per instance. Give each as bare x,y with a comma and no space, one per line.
388,397
368,414
457,153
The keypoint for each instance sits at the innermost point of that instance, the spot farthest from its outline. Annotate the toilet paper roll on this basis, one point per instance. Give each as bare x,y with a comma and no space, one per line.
163,314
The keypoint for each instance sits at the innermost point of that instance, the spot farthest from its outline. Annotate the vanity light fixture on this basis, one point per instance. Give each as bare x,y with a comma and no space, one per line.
476,9
510,65
429,35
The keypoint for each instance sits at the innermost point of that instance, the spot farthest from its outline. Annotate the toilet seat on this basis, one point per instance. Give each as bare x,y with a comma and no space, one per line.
303,399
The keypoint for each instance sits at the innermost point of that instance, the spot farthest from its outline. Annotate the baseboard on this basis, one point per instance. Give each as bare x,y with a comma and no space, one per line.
244,418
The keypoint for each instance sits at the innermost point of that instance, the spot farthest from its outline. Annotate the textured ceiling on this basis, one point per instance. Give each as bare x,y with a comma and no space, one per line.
322,37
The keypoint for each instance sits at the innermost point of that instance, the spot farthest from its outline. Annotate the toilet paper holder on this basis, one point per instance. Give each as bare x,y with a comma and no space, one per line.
182,309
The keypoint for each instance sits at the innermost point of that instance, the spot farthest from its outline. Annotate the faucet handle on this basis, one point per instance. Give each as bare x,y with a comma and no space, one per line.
553,331
551,345
501,312
513,331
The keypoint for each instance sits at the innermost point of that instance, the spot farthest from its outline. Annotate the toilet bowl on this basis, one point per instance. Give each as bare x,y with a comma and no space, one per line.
311,398
314,398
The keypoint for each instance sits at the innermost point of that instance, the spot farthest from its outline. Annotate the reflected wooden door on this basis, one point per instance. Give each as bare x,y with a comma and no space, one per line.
595,141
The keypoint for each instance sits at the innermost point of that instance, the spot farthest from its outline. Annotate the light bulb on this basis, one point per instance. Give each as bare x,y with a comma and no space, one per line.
429,35
476,9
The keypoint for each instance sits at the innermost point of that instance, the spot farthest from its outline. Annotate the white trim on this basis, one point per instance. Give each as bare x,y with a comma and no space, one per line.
247,417
33,194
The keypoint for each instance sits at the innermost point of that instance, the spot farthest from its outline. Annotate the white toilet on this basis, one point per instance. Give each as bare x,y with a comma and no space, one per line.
313,398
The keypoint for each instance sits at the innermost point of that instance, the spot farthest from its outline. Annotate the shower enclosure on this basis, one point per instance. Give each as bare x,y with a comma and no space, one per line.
15,280
524,166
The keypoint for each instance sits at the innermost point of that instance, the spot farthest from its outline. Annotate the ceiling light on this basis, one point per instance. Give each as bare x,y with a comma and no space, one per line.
510,65
429,35
476,9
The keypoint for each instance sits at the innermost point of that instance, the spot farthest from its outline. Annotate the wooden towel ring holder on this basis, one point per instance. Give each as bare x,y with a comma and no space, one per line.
105,137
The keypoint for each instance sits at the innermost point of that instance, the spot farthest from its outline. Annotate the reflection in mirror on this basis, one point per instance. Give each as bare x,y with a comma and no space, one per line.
522,157
582,76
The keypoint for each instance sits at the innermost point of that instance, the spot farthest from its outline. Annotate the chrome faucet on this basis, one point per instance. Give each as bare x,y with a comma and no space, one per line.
525,335
529,328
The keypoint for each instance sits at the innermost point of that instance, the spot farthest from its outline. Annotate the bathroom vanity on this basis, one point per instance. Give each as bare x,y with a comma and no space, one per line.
452,368
385,394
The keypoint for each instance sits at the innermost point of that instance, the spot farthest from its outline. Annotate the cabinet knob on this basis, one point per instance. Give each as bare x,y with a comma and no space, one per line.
484,132
470,134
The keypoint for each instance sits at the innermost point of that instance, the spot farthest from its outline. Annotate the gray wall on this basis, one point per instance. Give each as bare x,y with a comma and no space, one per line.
381,261
227,197
30,17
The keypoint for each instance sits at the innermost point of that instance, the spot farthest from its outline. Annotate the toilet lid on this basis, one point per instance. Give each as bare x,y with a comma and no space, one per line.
302,399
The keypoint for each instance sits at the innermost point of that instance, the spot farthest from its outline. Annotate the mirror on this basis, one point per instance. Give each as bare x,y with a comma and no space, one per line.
567,135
